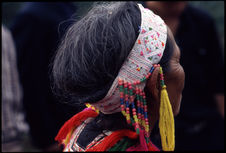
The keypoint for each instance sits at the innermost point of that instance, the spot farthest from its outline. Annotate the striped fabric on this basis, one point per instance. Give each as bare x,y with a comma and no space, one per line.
13,123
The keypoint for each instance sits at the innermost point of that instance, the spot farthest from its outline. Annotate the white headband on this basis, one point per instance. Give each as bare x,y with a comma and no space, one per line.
146,52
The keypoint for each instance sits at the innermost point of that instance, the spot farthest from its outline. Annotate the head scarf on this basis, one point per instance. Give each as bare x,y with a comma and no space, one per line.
147,51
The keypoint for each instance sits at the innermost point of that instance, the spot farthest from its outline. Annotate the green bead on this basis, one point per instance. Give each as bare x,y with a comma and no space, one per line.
138,131
132,121
125,91
137,97
141,98
141,80
161,82
147,140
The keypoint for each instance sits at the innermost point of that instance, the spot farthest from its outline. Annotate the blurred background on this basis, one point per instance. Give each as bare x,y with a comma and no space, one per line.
215,8
10,11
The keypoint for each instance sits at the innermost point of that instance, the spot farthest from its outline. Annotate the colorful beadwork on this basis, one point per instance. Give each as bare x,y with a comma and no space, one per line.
147,50
161,78
137,68
129,92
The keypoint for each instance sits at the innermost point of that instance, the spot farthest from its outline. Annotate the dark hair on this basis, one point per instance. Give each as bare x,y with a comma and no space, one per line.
94,49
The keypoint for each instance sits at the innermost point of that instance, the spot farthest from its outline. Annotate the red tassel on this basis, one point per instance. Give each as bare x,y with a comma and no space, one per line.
73,122
142,145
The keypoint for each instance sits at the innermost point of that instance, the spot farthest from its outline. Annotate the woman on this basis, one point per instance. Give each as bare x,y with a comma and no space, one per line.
113,59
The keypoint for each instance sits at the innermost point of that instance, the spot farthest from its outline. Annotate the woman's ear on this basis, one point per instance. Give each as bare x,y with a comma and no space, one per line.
152,91
153,85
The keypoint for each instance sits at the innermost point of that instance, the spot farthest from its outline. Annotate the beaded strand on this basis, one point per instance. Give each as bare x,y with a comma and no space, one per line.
120,82
139,112
161,78
127,102
136,125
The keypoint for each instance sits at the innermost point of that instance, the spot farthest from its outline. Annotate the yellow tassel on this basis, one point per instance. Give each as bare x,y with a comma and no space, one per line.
92,107
166,122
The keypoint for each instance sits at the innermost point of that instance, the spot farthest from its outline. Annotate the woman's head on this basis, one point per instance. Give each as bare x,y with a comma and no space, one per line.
95,48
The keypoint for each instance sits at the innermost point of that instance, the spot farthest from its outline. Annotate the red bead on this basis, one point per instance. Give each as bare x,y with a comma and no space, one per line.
128,121
147,76
137,91
134,110
125,84
120,81
134,113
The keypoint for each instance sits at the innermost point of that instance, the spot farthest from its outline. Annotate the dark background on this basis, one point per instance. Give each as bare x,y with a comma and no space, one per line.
215,8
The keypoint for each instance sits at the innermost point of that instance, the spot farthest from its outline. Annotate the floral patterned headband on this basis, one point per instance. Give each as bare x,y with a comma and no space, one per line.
146,52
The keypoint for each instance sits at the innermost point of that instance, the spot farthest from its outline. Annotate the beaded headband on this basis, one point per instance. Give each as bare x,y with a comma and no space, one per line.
146,52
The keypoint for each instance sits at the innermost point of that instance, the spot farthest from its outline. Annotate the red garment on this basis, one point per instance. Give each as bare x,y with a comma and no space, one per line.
107,142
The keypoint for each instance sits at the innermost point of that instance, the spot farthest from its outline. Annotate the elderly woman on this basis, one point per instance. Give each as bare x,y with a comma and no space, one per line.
113,59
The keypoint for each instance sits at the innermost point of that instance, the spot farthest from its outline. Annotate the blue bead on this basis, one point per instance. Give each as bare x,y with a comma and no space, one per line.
138,110
142,111
152,68
145,115
127,103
